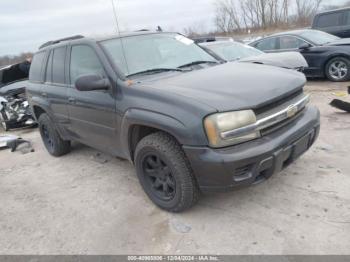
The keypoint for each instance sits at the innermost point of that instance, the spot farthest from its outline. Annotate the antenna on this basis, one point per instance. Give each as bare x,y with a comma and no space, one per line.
118,32
115,17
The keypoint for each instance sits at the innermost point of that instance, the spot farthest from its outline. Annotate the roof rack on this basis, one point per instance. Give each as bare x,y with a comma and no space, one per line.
61,40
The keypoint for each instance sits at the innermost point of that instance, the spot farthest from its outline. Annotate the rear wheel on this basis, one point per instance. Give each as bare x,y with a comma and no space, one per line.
338,69
165,173
54,144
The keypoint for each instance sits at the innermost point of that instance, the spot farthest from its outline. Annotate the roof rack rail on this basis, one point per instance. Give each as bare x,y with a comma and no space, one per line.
61,40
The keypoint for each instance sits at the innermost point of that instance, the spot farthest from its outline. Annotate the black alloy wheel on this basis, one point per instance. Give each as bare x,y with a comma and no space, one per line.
165,173
159,176
47,137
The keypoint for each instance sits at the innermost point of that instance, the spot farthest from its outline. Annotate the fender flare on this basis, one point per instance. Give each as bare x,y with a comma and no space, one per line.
163,122
44,105
41,103
334,55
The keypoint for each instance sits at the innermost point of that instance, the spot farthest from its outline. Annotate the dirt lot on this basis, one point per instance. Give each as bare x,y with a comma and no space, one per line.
83,203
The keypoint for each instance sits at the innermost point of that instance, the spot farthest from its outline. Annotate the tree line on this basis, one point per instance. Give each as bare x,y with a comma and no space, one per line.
9,60
233,16
244,15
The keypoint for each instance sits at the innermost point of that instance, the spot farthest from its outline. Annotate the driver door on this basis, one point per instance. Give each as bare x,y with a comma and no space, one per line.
91,113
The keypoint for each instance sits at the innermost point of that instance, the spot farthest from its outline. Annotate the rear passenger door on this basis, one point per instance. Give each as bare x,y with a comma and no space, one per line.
268,45
289,43
55,88
92,113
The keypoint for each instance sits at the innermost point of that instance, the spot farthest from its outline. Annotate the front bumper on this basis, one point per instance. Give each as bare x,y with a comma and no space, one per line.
254,161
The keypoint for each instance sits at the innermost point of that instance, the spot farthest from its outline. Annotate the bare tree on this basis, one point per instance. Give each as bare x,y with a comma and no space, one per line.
194,29
234,16
9,60
227,18
306,9
333,6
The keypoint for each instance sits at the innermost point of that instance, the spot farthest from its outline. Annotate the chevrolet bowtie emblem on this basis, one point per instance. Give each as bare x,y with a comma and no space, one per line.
292,110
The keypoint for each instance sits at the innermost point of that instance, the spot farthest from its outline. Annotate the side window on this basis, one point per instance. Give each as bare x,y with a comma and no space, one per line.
267,44
347,17
48,77
59,55
328,20
84,61
290,42
36,66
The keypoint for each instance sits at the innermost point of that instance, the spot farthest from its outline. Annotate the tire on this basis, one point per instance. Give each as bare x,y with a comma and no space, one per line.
3,118
54,144
338,69
165,173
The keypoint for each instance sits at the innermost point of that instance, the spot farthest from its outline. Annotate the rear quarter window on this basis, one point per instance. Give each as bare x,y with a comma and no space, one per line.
328,20
35,73
347,17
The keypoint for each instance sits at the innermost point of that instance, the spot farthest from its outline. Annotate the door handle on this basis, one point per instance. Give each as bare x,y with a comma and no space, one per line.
71,100
44,94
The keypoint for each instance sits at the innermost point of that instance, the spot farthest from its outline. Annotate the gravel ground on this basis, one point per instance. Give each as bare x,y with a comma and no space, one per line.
90,203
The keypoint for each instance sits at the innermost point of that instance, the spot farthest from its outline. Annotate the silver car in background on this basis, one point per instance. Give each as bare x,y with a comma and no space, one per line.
234,51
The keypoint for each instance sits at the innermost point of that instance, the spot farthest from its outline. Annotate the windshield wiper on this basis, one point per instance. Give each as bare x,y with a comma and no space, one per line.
157,70
198,63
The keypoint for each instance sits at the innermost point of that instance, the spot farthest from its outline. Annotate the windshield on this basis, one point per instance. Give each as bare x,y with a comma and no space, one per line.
231,51
318,37
152,51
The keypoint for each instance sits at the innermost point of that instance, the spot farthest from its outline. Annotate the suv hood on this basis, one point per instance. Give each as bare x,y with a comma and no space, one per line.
291,60
230,86
342,41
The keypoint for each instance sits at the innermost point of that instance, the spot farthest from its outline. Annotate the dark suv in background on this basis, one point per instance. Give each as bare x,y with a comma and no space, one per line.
187,122
335,22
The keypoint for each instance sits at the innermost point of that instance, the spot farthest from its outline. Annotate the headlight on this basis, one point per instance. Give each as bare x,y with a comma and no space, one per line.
218,125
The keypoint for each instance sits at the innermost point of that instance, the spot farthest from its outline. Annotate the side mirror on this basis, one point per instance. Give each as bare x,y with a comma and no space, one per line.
304,46
91,82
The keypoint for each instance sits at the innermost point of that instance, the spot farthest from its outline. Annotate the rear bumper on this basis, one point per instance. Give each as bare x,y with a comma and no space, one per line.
254,161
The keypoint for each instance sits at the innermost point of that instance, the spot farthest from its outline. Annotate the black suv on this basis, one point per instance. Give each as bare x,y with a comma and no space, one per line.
335,22
187,122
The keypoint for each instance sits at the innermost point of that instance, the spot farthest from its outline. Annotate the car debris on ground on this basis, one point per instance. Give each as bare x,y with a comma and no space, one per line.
14,108
340,104
15,142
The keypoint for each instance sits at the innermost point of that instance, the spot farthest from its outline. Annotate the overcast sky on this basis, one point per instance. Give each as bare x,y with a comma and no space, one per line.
26,24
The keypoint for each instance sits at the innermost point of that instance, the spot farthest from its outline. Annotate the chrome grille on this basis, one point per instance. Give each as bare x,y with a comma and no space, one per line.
271,117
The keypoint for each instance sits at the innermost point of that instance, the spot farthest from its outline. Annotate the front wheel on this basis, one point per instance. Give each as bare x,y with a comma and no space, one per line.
165,173
338,69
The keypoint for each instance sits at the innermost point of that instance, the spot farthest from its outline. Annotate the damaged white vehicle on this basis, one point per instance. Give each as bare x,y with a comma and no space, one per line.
14,109
233,51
